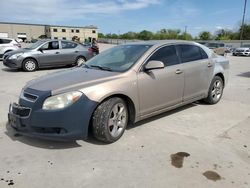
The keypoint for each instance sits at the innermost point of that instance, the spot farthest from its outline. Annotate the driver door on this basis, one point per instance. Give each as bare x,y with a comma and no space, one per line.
161,88
49,54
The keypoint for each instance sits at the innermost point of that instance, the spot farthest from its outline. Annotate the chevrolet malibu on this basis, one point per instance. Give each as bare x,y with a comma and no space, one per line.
120,86
47,53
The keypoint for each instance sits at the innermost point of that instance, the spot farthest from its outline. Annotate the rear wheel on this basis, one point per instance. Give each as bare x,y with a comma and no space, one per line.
80,61
110,120
29,65
215,90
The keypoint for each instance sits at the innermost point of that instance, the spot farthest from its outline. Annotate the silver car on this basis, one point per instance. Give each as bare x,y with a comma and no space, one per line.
241,52
48,53
120,86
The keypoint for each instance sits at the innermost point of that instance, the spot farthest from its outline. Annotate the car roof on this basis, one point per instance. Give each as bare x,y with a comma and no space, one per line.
163,42
48,40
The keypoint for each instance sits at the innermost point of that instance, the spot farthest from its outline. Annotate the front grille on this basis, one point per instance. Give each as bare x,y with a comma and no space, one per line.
20,111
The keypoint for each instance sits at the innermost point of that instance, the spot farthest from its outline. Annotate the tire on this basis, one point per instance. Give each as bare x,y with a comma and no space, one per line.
215,90
80,61
29,65
110,120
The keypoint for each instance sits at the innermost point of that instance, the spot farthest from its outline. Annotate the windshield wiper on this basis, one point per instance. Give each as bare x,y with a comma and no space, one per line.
101,67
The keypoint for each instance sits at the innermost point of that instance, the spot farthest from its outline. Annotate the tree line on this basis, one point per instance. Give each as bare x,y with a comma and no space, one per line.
221,34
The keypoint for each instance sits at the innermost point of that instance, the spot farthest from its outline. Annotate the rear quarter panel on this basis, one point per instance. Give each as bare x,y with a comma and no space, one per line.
221,66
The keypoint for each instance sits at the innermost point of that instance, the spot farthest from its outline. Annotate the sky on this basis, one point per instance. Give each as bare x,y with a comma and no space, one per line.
120,16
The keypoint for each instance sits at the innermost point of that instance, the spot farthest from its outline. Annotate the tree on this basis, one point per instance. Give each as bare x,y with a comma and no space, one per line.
205,35
246,31
101,35
145,35
223,34
185,36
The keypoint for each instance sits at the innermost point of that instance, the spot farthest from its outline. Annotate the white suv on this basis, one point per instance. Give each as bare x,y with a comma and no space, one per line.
7,45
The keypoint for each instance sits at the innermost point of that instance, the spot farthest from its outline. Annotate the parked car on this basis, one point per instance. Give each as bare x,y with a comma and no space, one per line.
218,47
241,52
120,86
48,53
8,45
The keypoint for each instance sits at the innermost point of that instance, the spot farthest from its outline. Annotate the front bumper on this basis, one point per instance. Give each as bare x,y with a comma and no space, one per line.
12,63
71,123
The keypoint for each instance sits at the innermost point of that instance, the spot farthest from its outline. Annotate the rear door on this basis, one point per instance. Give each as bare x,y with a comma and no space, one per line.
161,88
69,52
197,69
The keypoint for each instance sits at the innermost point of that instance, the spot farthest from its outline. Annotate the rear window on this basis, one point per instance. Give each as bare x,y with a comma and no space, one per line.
191,53
68,45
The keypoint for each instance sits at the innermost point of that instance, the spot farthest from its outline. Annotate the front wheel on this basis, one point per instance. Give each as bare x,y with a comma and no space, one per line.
110,120
215,90
29,65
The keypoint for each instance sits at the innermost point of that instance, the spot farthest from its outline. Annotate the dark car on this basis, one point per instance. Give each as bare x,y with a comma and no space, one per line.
48,53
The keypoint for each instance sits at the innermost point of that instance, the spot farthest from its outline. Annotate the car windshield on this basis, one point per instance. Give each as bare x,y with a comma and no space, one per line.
34,45
119,58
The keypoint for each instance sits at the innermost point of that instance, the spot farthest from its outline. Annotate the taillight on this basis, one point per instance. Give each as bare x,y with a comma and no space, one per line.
90,49
18,45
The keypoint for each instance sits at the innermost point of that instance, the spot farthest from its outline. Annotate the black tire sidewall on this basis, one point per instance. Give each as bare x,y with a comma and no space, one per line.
108,132
101,119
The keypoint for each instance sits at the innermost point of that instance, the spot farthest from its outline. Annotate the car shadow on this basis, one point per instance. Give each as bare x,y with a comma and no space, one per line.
163,115
12,70
245,74
40,143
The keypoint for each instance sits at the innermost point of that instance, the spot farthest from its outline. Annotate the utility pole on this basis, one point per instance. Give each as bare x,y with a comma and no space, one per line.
242,24
185,33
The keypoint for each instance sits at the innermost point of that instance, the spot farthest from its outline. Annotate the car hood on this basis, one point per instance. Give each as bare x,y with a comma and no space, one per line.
17,51
71,80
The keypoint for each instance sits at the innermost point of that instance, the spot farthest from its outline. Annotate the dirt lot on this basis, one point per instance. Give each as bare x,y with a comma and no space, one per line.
194,146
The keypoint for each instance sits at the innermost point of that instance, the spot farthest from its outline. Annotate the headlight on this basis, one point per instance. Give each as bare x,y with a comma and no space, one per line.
61,101
15,56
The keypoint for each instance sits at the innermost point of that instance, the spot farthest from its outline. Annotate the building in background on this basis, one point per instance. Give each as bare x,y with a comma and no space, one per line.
28,32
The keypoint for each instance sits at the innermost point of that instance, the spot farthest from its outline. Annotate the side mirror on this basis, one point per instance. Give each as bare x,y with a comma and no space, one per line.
40,50
154,65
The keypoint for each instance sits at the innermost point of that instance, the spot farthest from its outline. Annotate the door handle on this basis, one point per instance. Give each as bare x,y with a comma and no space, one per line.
178,71
209,64
57,52
76,51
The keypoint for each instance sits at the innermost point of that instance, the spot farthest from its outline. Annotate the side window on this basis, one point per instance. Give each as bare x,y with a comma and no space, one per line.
190,53
54,45
6,41
203,54
68,45
167,55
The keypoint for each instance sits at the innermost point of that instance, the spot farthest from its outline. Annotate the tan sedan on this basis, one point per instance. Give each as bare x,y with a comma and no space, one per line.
121,85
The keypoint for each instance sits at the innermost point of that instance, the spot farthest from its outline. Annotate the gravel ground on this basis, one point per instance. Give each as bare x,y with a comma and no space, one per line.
197,145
